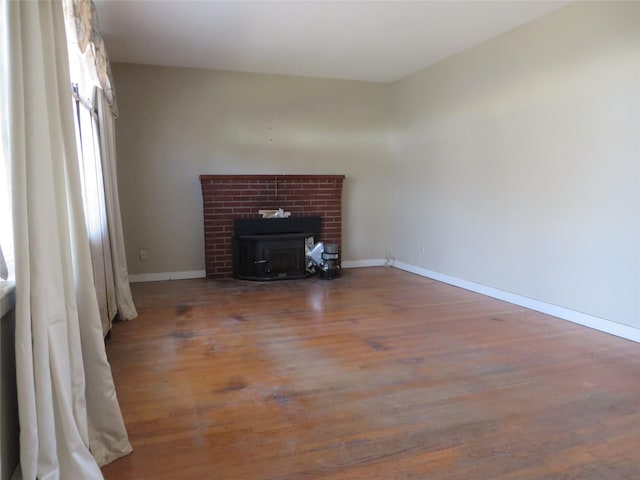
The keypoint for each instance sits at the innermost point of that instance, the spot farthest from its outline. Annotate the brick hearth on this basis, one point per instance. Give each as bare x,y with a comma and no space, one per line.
226,197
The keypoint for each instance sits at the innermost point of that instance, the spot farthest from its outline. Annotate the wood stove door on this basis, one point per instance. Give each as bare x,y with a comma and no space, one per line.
282,259
268,257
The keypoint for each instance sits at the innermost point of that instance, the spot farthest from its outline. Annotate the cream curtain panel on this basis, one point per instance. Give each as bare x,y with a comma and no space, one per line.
70,420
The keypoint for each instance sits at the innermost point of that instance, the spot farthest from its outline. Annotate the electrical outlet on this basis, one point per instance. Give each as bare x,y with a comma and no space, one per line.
143,255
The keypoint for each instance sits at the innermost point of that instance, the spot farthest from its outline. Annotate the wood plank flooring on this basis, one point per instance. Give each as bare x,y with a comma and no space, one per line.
380,374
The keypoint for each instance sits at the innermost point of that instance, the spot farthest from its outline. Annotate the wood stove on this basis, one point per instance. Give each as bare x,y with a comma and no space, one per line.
273,248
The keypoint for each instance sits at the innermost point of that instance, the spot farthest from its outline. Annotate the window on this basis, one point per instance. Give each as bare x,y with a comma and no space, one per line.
6,221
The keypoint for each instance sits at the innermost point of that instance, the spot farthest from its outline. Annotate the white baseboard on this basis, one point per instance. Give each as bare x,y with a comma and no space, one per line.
375,262
607,326
163,276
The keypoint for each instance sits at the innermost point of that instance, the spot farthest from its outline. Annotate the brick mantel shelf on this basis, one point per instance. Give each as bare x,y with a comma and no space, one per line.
227,197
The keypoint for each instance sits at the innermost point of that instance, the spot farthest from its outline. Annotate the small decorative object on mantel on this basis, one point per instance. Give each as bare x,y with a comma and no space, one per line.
279,213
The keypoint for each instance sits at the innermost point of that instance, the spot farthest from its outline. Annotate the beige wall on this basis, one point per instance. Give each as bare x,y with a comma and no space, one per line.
513,165
517,162
177,123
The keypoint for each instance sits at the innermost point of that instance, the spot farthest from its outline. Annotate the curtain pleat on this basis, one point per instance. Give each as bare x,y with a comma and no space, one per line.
70,420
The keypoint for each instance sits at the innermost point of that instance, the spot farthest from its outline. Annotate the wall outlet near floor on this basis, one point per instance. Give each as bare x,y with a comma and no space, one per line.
143,255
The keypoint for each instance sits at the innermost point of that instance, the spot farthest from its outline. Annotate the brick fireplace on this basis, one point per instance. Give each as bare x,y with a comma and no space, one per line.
228,197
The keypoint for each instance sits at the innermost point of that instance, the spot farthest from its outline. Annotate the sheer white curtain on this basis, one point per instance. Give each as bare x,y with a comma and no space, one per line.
70,420
6,222
95,127
106,120
95,214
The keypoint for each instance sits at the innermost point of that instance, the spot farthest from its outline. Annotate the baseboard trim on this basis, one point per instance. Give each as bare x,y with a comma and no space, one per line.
374,262
607,326
164,276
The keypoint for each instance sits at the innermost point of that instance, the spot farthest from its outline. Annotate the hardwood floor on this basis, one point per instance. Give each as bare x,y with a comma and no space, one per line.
380,374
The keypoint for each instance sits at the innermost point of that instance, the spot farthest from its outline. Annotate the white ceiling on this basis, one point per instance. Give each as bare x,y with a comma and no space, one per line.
356,40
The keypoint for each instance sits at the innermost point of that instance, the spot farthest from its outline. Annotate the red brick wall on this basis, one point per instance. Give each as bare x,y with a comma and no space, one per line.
226,197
